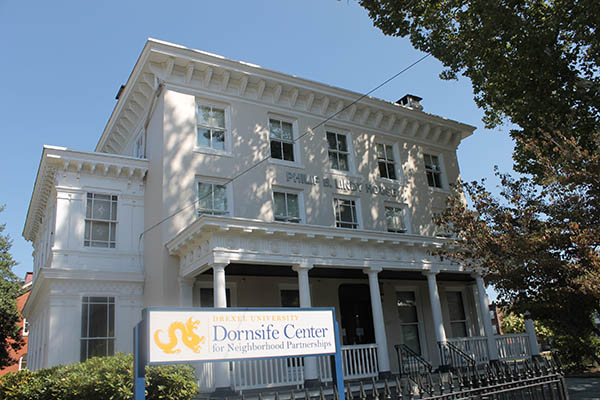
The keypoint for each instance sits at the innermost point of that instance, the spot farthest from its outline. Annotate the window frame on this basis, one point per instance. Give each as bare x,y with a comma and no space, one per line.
82,338
227,129
397,162
467,320
357,210
406,219
300,194
350,150
228,196
139,146
25,329
420,315
295,135
441,172
110,222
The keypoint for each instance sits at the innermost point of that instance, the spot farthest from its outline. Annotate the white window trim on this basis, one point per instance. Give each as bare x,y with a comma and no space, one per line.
446,309
400,180
228,136
301,208
443,176
116,318
358,211
25,332
93,190
351,159
297,163
232,286
420,315
214,181
404,207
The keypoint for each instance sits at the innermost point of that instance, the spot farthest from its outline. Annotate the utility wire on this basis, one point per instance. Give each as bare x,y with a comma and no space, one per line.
308,131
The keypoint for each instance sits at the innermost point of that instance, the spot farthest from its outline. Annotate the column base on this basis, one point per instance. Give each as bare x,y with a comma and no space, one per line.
223,392
385,374
312,383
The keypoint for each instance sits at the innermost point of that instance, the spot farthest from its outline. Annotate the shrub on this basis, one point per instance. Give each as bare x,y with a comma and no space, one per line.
99,378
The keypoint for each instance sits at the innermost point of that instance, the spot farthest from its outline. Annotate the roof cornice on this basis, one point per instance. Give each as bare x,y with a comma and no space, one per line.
60,158
175,65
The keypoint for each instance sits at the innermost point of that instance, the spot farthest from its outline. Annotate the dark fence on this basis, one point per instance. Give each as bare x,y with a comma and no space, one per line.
528,380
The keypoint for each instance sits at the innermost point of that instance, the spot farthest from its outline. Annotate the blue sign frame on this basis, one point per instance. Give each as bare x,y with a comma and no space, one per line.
141,346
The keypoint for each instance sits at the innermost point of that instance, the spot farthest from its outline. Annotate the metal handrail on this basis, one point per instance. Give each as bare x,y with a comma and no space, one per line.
451,353
410,363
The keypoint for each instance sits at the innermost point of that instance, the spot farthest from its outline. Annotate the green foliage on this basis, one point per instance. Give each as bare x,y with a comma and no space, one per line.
10,288
99,378
514,323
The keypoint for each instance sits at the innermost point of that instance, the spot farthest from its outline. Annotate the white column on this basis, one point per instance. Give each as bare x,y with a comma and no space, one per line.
186,287
530,330
383,358
311,372
436,307
485,315
220,369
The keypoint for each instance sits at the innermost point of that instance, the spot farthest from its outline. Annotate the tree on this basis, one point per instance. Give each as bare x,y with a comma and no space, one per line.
535,63
10,288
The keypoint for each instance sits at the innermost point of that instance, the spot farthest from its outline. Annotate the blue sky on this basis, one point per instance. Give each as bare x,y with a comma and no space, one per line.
63,62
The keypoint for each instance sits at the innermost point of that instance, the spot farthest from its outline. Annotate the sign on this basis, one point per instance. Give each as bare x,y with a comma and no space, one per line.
230,334
179,335
355,185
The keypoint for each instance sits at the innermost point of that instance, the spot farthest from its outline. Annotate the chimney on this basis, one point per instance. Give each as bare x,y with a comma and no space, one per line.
411,101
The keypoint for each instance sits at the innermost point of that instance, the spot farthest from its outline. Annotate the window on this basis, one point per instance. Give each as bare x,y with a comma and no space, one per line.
97,327
211,126
409,320
458,317
100,220
290,297
386,161
339,153
433,170
139,146
287,208
281,134
23,362
25,327
395,218
346,215
212,199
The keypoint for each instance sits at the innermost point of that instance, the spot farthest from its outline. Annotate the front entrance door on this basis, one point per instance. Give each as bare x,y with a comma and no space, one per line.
356,315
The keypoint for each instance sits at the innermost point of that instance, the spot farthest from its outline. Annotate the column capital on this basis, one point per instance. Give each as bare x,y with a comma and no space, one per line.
477,274
372,270
218,266
302,266
430,272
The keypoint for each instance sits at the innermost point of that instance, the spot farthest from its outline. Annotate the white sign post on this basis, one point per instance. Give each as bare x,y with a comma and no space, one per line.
176,335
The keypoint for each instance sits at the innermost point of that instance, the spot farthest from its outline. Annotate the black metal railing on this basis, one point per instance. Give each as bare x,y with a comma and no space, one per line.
410,363
453,357
528,380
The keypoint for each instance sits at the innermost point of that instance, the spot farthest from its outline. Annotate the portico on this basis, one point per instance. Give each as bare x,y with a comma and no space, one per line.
267,265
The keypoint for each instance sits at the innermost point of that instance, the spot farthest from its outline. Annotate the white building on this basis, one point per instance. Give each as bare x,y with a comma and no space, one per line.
217,182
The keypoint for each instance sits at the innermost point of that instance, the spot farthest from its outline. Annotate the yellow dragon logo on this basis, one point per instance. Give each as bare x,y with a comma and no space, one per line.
188,337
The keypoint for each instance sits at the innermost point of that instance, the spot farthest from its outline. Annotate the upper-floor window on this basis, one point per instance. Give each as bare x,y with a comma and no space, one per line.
286,207
212,198
433,170
395,218
97,327
25,327
339,151
211,125
386,161
139,147
100,220
281,134
346,213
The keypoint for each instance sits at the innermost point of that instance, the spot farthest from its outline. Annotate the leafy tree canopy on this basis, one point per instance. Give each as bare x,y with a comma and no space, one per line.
535,62
10,288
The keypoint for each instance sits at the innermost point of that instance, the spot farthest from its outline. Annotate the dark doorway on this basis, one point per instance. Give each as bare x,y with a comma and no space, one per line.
356,316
